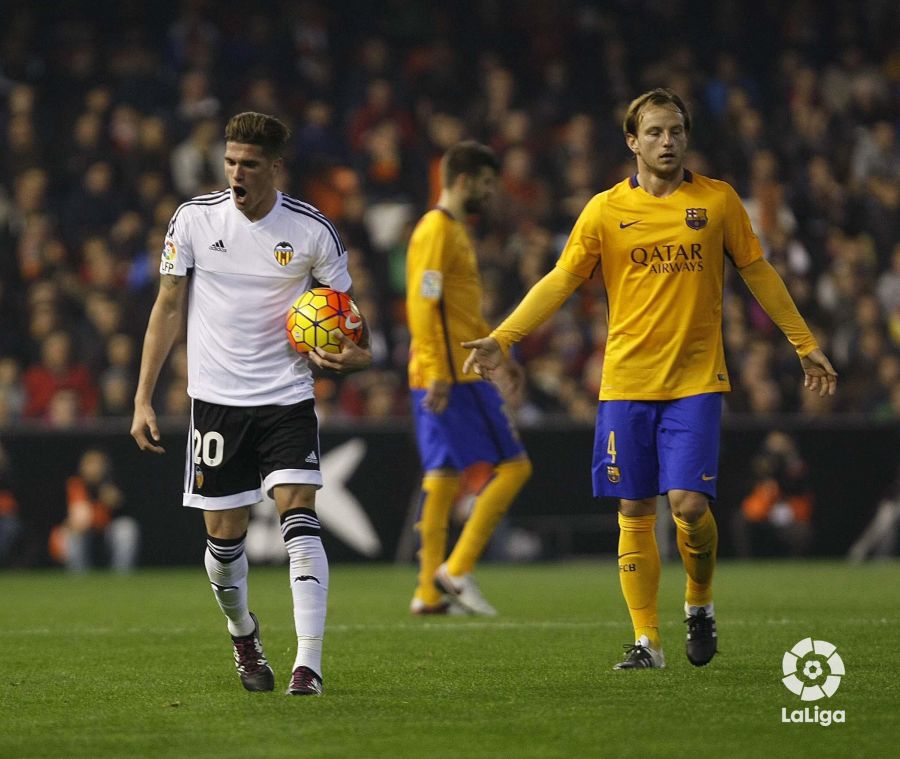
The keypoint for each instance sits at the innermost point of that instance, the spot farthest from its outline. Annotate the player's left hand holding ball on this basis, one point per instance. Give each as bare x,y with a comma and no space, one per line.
351,358
326,326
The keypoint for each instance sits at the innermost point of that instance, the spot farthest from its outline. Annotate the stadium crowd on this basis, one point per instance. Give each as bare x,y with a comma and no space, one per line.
111,115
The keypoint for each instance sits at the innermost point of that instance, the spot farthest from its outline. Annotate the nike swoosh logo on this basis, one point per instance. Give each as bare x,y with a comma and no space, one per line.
623,225
353,323
630,553
707,477
301,578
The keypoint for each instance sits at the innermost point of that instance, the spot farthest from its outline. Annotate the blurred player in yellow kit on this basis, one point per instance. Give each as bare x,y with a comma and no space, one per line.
660,240
459,418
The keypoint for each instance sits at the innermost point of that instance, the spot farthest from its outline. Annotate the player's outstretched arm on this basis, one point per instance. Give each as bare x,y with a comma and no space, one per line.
818,373
352,358
539,303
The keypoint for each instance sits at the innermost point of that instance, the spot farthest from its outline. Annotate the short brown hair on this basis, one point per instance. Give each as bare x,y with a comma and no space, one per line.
660,96
258,129
467,157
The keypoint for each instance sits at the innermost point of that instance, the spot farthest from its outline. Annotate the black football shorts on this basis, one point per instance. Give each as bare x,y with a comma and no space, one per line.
235,454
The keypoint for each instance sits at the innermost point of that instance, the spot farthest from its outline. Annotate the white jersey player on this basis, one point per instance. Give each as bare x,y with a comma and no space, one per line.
236,260
245,276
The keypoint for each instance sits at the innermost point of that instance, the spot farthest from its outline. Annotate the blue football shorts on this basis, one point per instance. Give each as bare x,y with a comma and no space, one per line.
642,448
474,427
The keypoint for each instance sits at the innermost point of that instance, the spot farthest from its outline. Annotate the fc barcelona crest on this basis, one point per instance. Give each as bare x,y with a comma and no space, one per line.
198,476
613,474
284,252
695,218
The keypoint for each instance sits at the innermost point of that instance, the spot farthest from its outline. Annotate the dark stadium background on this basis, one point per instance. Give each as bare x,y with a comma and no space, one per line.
111,114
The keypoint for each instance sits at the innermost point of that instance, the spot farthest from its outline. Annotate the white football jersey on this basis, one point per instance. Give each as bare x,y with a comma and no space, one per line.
244,276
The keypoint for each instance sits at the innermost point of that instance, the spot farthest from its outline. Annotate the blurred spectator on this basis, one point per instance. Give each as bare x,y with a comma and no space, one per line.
443,130
385,164
882,403
879,538
117,381
93,206
523,197
876,154
12,391
63,412
58,372
103,320
10,523
380,107
97,520
382,398
316,142
889,284
47,310
196,101
108,129
22,150
775,517
197,166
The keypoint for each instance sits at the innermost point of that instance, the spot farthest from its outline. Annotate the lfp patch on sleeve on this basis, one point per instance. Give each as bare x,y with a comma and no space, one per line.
432,284
169,256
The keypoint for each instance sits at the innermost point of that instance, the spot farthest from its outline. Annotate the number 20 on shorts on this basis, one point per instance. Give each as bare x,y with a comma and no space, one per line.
209,448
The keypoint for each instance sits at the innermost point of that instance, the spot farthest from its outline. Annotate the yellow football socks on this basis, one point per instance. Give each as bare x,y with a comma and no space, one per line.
639,574
438,493
697,544
490,506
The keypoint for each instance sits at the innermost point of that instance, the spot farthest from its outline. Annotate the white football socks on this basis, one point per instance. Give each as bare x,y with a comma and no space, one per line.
309,584
226,567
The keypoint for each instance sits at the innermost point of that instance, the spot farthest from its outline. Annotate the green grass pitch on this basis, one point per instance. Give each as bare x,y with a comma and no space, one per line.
140,666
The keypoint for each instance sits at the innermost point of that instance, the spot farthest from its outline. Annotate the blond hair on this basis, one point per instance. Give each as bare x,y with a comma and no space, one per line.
660,96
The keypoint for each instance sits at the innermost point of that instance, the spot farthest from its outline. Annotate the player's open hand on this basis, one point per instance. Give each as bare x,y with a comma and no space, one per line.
352,358
819,374
145,419
484,358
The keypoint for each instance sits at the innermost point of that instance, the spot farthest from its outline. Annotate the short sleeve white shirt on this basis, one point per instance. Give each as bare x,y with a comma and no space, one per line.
244,276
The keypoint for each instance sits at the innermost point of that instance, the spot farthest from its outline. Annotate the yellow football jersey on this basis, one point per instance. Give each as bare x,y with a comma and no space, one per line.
443,299
662,262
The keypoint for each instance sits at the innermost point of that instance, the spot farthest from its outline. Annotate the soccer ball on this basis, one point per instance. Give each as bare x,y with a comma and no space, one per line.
318,318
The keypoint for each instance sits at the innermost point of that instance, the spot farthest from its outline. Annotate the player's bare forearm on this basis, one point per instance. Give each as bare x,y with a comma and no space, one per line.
163,327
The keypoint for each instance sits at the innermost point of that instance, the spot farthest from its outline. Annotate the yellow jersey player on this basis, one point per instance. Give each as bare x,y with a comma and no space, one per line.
459,419
660,240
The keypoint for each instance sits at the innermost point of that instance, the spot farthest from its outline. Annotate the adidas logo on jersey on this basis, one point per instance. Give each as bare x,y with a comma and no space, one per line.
312,458
219,247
